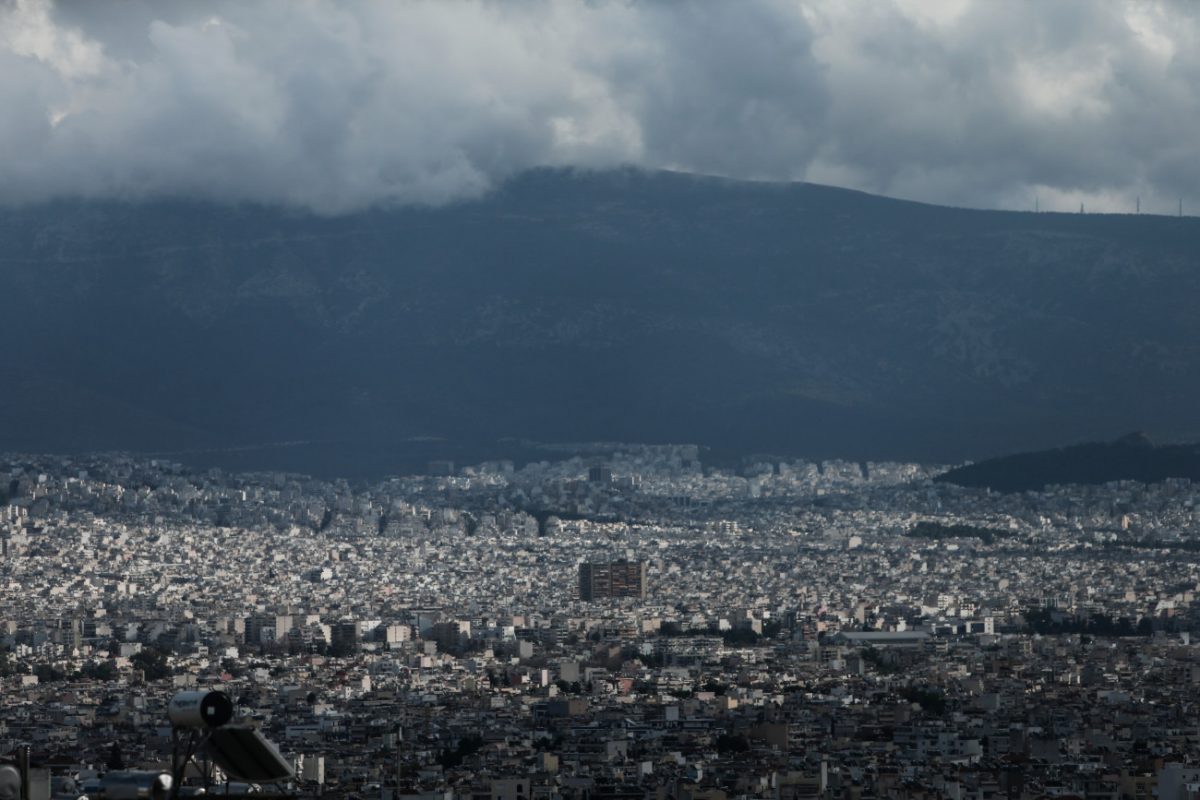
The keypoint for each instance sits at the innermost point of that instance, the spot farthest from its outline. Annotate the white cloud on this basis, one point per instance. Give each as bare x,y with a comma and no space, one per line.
340,105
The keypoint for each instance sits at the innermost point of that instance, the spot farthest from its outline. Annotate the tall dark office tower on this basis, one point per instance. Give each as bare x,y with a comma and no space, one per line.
612,579
600,474
345,638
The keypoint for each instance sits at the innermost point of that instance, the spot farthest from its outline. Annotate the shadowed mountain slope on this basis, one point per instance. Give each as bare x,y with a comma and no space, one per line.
599,306
1130,458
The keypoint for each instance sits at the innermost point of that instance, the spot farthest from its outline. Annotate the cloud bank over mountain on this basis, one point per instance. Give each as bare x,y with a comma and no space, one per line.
334,106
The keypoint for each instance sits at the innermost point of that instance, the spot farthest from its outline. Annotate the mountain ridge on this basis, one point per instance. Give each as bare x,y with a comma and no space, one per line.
600,306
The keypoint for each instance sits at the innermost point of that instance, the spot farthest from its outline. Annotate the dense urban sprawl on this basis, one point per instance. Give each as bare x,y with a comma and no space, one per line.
834,630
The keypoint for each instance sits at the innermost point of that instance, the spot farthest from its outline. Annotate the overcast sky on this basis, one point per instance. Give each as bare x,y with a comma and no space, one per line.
336,106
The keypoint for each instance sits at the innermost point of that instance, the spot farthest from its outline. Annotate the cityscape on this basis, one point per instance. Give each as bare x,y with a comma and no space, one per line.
625,623
599,400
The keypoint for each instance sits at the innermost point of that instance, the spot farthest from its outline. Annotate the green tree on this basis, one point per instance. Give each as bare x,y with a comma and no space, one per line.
153,663
115,760
104,671
47,673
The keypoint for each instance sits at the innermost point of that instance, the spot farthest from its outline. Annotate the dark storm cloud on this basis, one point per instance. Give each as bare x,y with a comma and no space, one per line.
335,106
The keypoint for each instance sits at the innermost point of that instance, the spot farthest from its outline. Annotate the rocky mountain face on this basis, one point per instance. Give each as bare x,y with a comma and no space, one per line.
624,305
